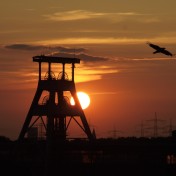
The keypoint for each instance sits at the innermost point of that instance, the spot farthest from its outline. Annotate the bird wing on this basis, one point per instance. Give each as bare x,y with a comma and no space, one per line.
156,47
166,52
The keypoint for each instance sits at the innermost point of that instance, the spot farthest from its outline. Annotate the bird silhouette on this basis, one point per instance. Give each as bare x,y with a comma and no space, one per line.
159,49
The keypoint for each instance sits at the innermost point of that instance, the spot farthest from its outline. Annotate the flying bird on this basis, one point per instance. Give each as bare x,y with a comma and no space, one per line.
159,49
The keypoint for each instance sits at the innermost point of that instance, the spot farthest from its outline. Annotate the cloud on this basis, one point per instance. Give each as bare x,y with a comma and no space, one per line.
60,51
88,58
24,47
84,14
114,17
49,48
73,15
92,40
70,50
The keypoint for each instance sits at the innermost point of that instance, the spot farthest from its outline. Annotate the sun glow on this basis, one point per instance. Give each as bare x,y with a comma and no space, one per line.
84,100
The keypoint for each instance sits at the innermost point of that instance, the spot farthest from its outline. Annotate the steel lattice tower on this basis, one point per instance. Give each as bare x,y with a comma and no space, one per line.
55,107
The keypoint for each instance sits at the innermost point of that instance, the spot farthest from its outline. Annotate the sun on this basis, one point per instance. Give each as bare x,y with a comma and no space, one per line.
84,99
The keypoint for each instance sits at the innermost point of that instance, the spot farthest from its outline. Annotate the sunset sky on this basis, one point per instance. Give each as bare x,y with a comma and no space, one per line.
126,82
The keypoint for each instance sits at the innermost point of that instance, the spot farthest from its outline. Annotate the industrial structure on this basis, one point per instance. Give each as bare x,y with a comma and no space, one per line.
51,104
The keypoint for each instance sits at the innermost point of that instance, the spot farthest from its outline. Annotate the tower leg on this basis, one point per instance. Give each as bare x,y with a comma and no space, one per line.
30,114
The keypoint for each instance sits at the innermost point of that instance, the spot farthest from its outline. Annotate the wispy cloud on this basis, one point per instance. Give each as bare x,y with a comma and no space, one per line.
91,40
150,20
74,15
31,47
59,51
84,14
94,72
165,38
24,47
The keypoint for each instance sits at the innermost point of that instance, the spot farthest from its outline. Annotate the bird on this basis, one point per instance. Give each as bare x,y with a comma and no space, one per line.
159,49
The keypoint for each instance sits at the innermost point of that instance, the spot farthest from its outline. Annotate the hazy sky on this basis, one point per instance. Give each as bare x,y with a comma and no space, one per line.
126,82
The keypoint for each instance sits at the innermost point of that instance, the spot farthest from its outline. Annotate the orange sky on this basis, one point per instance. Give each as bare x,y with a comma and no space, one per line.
126,82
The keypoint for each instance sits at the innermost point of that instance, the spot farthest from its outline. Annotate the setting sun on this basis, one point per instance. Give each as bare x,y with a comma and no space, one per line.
84,100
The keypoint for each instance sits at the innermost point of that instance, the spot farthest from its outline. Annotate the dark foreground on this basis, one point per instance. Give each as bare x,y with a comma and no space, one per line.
123,157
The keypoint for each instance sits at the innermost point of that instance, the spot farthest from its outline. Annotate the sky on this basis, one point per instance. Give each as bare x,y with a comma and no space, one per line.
126,82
